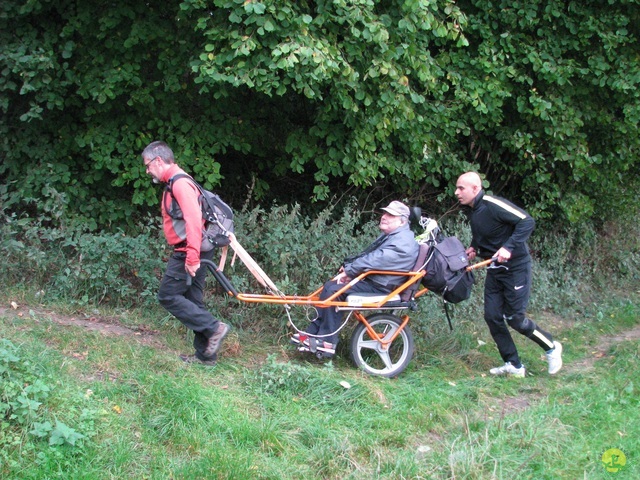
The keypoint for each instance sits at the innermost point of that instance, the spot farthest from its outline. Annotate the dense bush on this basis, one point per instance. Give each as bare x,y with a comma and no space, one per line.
65,260
71,263
312,98
68,262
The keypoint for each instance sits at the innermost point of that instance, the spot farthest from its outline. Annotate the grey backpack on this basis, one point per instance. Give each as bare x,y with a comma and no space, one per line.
218,215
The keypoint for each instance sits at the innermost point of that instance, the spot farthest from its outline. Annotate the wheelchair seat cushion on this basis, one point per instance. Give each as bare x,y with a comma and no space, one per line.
356,300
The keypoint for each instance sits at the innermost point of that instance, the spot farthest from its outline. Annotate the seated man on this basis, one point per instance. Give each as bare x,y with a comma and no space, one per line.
395,249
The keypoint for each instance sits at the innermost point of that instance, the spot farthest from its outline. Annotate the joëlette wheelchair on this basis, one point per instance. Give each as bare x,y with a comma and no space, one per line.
381,343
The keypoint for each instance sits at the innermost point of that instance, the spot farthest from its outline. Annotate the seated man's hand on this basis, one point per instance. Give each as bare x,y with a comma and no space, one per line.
341,278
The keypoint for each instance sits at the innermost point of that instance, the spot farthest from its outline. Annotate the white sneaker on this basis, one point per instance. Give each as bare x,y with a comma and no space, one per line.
508,369
554,357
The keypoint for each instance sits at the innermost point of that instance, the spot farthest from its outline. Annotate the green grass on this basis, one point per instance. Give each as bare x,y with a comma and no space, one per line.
264,412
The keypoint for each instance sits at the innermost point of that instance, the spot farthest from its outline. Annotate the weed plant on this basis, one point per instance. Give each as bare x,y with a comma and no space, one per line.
35,417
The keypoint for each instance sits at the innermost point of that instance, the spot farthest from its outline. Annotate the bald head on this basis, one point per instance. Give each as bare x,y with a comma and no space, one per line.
468,186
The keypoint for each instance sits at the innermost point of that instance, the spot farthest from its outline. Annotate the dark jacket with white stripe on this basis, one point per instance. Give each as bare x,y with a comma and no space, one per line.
496,222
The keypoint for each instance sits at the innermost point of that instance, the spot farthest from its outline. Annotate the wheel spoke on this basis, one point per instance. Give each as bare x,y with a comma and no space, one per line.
369,344
390,330
386,359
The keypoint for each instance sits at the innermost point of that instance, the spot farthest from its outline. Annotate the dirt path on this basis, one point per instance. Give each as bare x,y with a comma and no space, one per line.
600,350
110,326
147,336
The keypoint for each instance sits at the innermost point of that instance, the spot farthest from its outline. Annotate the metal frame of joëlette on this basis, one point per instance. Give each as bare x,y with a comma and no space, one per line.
313,299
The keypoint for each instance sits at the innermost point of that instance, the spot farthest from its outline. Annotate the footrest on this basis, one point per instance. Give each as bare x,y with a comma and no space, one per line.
356,300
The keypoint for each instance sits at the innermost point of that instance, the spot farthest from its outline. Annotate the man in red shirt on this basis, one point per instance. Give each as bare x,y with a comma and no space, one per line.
183,223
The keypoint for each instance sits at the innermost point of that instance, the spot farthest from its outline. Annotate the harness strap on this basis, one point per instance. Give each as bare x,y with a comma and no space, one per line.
446,312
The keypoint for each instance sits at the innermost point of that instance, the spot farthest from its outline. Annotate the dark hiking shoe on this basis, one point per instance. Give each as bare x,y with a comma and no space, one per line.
194,359
216,340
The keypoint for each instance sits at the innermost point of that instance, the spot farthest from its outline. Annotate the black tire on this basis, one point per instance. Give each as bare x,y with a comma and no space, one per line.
368,354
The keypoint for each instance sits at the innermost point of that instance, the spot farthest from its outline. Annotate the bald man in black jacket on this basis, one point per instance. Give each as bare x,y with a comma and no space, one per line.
500,231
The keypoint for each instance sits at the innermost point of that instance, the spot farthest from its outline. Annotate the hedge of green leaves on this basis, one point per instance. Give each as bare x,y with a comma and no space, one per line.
296,101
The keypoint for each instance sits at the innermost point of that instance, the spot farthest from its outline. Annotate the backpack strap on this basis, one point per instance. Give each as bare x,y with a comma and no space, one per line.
169,188
178,176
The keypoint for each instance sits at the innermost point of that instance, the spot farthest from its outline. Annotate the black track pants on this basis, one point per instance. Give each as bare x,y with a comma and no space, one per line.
506,296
